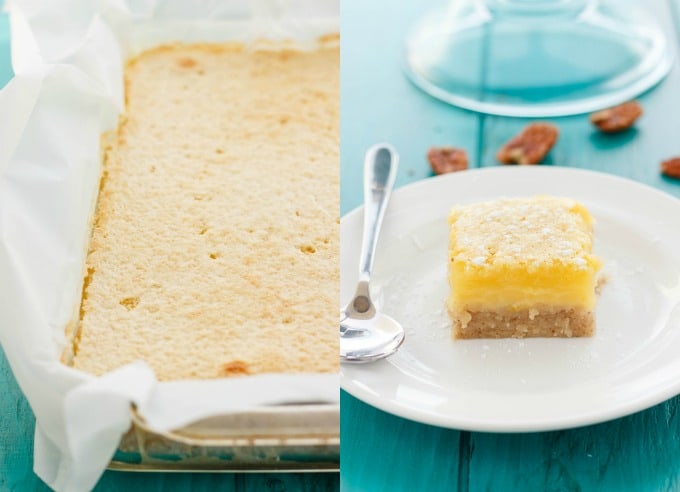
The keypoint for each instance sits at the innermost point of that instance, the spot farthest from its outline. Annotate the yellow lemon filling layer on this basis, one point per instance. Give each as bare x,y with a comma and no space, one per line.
478,288
521,253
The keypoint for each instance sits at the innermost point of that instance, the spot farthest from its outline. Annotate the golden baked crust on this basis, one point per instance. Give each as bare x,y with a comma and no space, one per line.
215,245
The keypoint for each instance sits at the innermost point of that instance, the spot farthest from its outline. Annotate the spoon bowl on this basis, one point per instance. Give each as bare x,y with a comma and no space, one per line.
369,339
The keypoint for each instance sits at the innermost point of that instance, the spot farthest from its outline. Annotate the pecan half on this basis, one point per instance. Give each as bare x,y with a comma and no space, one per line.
618,118
447,159
530,146
671,168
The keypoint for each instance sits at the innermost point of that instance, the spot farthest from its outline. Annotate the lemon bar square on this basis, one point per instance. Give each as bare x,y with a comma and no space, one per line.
522,267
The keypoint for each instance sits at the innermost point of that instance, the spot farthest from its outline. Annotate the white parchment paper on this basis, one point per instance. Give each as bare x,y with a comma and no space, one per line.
68,89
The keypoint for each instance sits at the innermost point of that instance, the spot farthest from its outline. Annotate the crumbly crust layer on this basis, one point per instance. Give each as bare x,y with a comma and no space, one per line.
525,323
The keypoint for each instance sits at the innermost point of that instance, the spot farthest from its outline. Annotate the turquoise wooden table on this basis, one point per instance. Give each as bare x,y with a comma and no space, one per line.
17,426
379,451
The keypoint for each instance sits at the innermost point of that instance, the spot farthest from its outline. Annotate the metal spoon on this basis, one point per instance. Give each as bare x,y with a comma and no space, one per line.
365,334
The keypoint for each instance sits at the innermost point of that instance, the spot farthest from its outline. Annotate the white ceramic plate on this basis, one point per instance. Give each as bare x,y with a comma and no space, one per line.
508,385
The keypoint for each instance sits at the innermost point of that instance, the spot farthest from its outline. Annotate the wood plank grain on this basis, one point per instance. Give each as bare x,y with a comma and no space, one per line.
209,482
380,451
318,482
637,453
16,435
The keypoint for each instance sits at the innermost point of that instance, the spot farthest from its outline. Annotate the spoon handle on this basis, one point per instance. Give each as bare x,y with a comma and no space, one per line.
380,170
